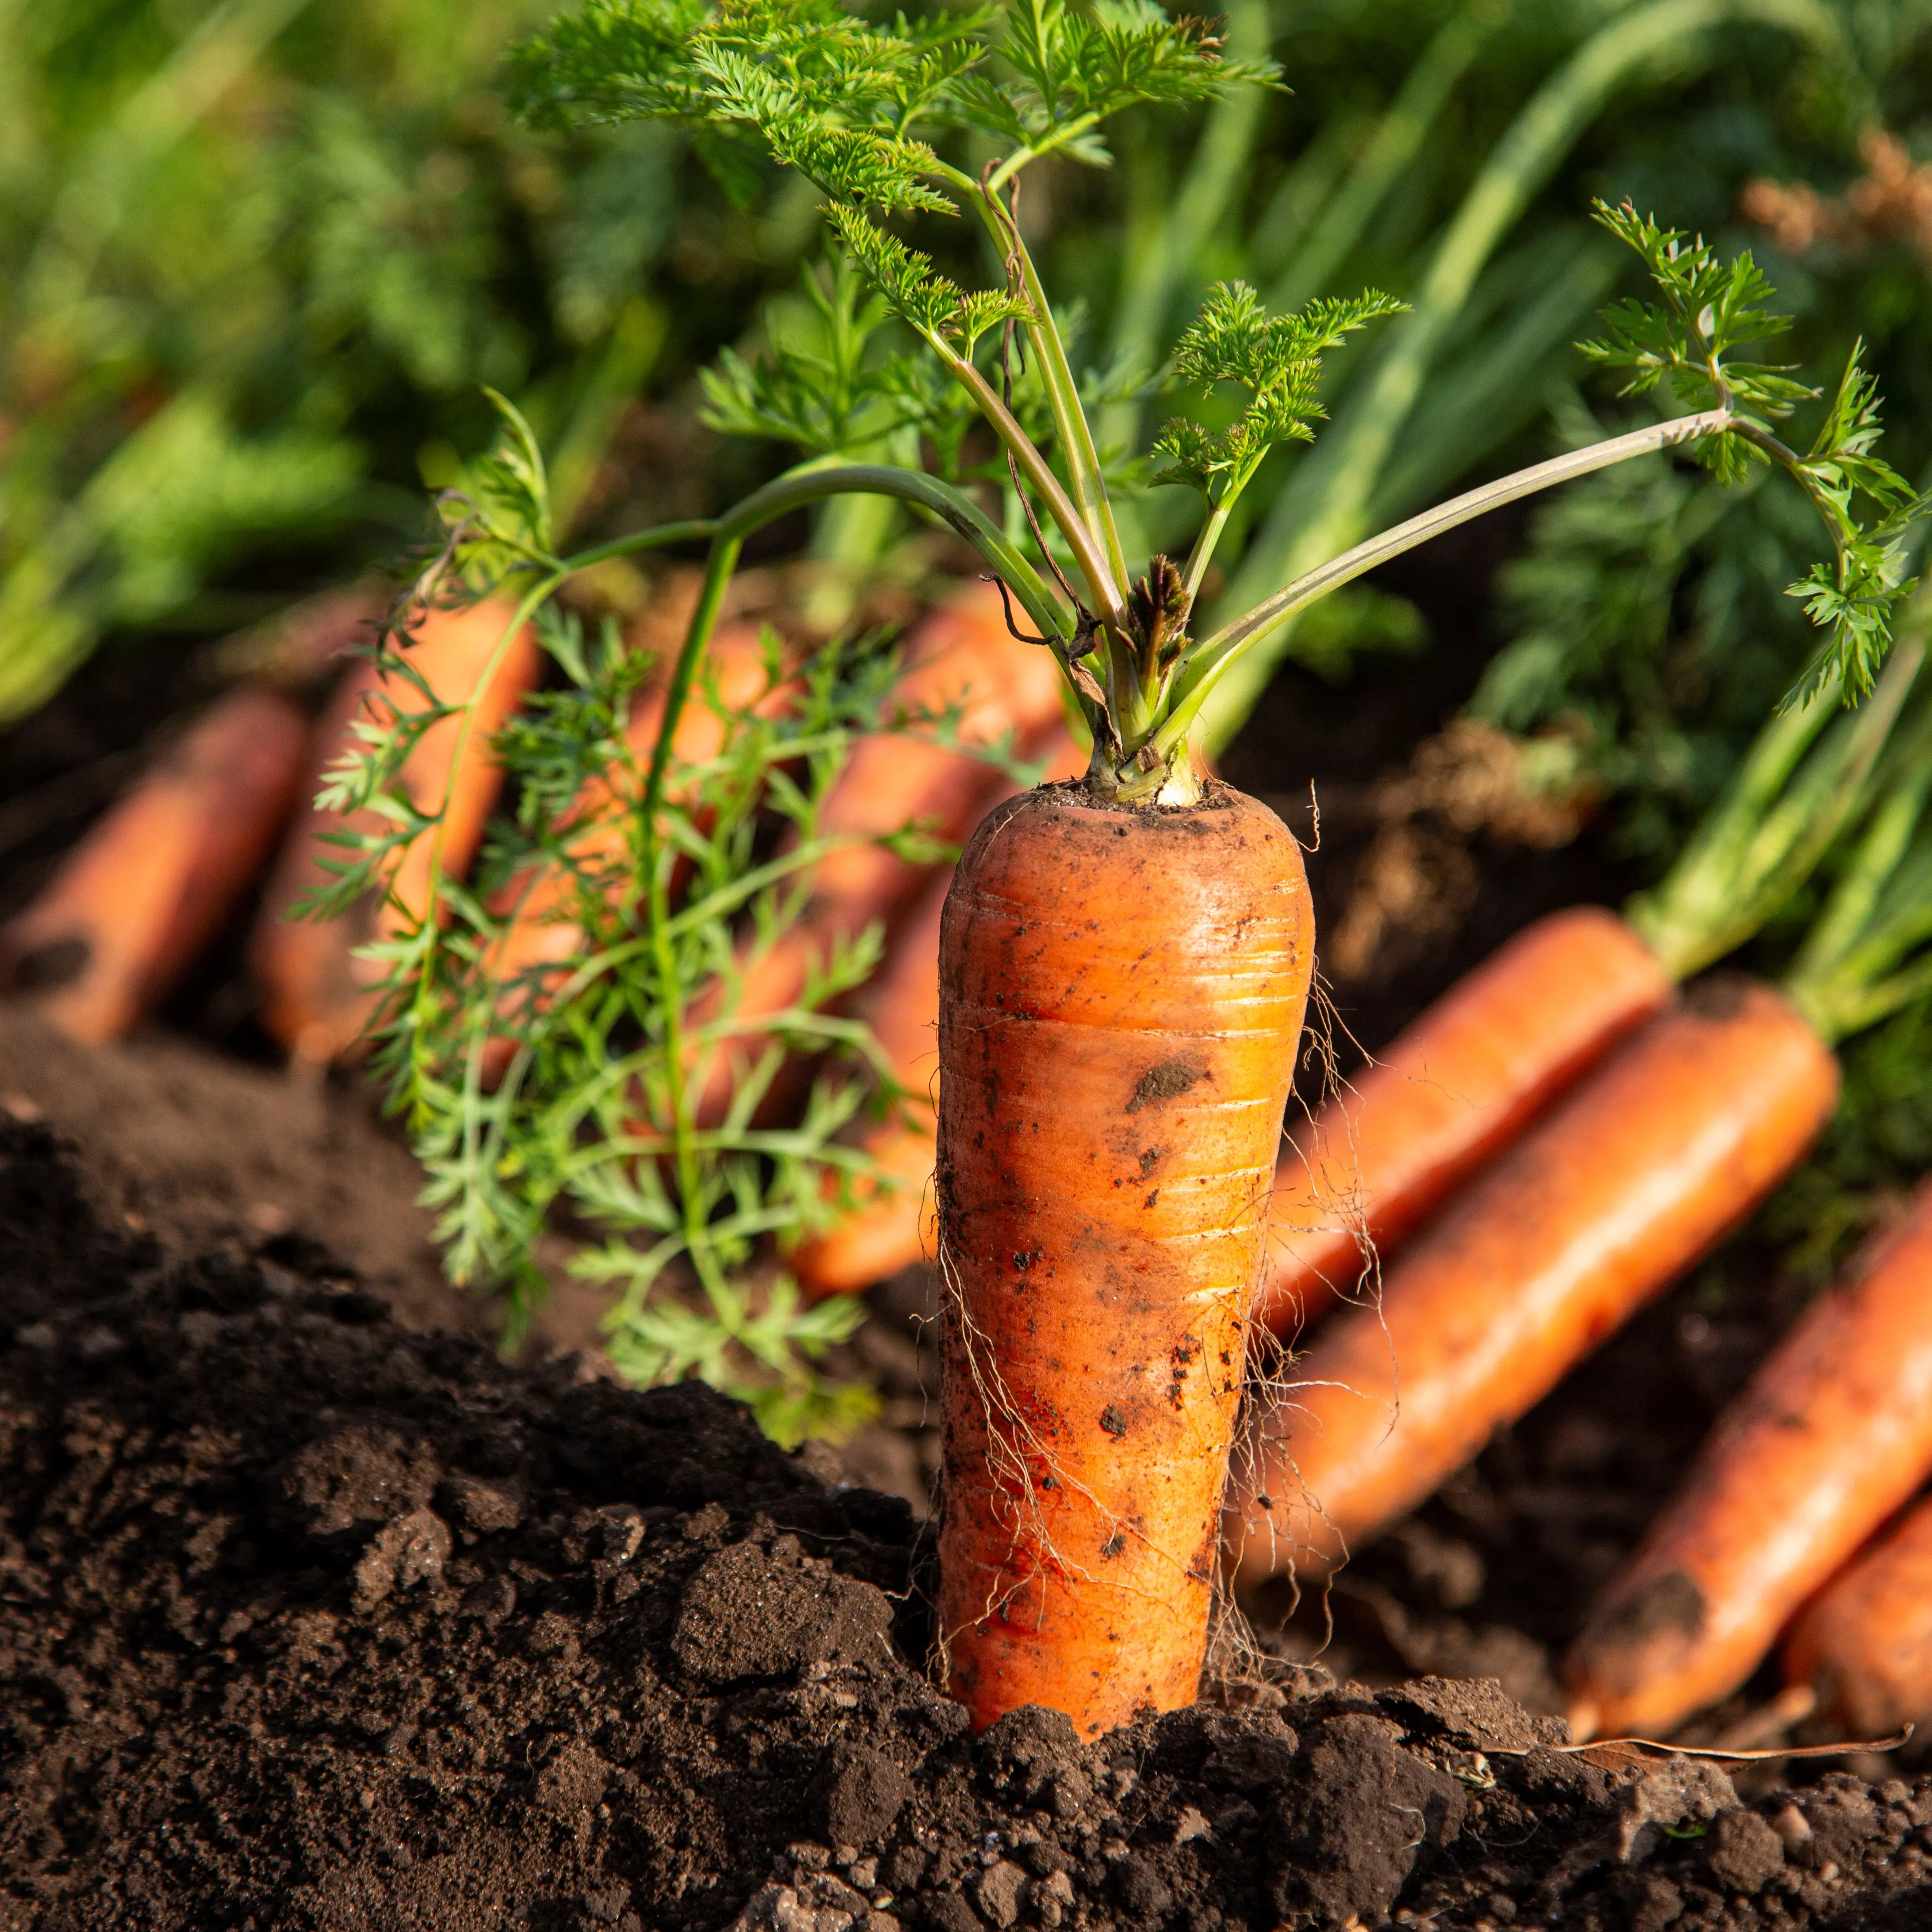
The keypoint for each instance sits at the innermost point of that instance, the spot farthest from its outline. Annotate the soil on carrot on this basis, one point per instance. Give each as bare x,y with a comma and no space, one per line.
308,1620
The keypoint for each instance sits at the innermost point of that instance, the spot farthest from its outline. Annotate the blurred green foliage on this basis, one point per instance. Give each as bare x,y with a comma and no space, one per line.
260,255
257,259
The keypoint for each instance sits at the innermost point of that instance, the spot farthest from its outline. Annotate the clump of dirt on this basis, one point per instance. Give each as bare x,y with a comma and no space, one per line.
308,1620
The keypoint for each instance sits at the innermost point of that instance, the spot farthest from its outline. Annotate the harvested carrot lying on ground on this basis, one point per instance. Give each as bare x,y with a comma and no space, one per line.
1466,1077
891,1227
1865,1645
1677,1135
1673,1138
1832,1434
1835,1431
962,657
153,880
316,996
1451,1089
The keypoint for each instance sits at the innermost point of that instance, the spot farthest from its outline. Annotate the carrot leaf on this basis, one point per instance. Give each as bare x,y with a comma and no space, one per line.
1277,360
1709,307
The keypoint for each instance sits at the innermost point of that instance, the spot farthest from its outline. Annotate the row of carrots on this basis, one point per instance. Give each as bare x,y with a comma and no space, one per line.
1583,1131
1541,1153
221,814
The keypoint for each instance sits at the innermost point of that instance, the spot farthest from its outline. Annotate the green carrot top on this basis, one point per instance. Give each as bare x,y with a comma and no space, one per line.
867,112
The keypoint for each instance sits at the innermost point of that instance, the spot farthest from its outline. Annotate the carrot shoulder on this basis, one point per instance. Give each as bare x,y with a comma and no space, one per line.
317,996
1832,1434
1456,1086
1555,1244
1865,1644
1122,992
153,881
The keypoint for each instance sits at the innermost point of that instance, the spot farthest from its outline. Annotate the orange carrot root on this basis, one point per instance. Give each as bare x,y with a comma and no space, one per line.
1458,1084
1865,1644
1832,1434
1122,992
1677,1135
316,996
152,883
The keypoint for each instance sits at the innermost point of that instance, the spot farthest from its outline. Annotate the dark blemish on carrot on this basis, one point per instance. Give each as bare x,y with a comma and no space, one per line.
1151,1198
1114,1545
1026,1260
1167,1082
1150,1158
1113,1421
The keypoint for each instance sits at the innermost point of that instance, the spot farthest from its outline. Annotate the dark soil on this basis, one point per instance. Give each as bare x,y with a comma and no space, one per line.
308,1620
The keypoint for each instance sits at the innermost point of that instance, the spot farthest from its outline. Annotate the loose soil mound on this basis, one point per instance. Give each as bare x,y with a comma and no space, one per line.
308,1620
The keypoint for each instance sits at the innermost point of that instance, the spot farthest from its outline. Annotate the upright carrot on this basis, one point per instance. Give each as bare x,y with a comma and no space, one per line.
1124,960
1483,1061
1121,994
150,884
1625,1182
317,995
1865,1645
1832,1434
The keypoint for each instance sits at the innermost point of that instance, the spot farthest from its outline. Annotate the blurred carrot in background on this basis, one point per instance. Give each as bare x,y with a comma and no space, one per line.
543,939
960,658
889,1229
147,888
1864,1646
316,996
1830,1436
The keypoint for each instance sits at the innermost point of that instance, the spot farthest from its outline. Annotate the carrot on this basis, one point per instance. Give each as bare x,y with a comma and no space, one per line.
152,883
1673,1138
1458,1084
962,655
1495,1050
1864,1646
892,1226
541,934
317,996
1122,992
1832,1434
